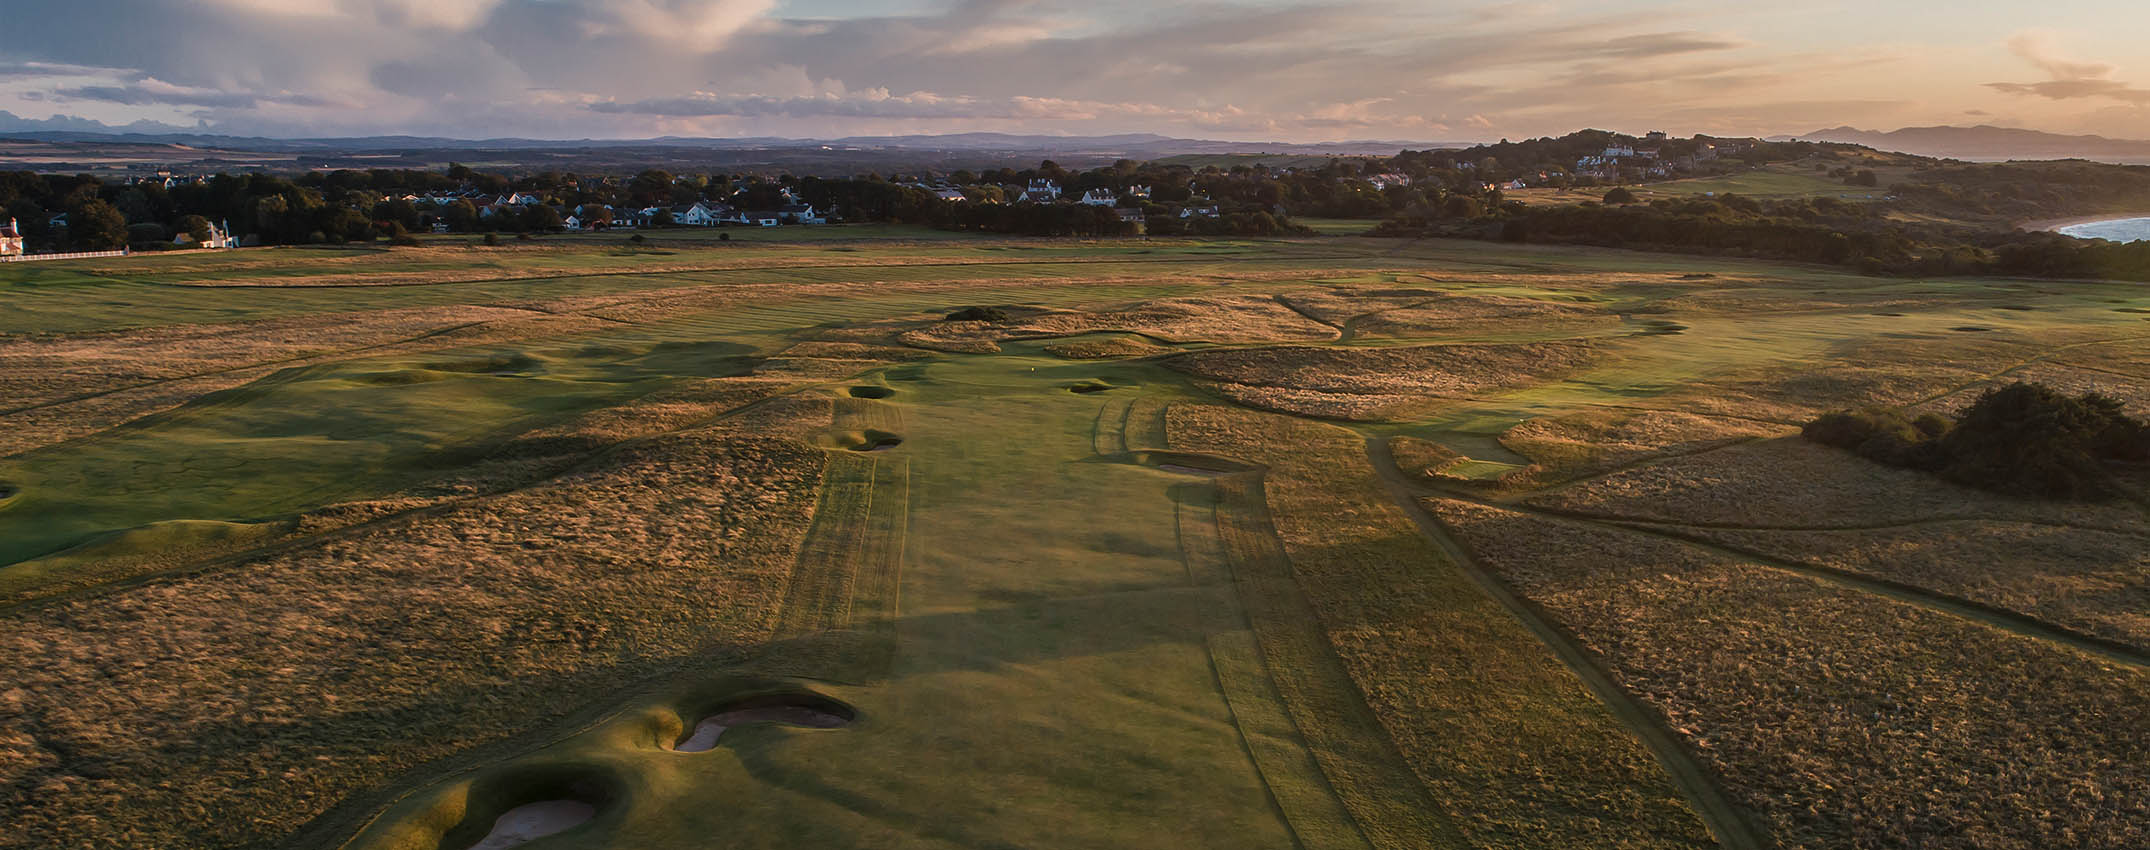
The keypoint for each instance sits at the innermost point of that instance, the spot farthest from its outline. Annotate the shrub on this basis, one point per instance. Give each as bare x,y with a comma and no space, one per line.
2031,438
637,239
978,314
1882,436
491,239
1620,195
2024,438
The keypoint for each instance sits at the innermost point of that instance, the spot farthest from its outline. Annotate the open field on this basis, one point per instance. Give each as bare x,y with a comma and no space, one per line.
1319,543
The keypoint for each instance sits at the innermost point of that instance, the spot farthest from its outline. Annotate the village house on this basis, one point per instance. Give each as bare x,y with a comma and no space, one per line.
1129,215
1382,182
786,214
1200,212
11,241
1041,191
219,238
1099,198
949,194
699,215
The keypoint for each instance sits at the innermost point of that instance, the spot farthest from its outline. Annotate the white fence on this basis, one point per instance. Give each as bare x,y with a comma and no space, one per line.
83,255
78,255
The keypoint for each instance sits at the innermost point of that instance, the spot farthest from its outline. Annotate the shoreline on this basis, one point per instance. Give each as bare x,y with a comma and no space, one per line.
2054,224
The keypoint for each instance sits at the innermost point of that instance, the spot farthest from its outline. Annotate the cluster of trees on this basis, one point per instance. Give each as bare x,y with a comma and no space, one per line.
365,205
2014,191
2024,438
1819,230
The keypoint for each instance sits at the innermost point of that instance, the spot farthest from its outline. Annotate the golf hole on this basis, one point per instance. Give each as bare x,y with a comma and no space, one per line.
810,711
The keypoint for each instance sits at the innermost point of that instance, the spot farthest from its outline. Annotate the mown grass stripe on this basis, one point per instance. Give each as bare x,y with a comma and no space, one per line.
1108,436
877,592
1310,806
1385,799
819,595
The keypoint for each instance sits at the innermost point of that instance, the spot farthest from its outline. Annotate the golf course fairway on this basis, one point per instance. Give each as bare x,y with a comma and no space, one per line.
1046,666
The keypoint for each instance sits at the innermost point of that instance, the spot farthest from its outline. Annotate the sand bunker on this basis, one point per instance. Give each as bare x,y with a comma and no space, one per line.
532,821
1091,387
790,710
871,392
862,441
9,491
1190,463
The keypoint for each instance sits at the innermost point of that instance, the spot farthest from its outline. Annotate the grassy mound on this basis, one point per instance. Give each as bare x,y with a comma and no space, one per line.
978,314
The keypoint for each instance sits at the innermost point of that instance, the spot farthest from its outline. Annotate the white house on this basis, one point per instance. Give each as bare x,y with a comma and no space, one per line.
1138,191
951,195
1199,212
1515,184
219,238
522,199
699,215
11,242
1383,181
1100,198
1619,152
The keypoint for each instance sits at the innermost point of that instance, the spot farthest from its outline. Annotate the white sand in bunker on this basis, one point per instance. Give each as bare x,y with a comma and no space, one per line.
530,822
704,737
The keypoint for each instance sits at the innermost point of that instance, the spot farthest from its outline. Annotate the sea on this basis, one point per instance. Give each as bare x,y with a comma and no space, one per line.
2116,229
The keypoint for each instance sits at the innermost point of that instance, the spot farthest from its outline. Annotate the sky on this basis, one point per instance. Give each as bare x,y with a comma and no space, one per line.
1267,70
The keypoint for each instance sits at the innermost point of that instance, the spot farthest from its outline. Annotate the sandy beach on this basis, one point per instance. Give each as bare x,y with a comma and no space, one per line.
2058,223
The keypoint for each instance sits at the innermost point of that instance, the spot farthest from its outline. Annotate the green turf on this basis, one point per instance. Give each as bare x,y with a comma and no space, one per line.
1055,634
1051,682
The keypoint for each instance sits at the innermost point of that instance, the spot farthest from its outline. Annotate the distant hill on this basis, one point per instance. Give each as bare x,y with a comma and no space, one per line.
1129,144
1988,143
77,150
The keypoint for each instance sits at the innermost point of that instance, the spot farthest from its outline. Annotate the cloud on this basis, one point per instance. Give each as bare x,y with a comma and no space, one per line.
2070,79
1652,45
875,103
1282,69
152,91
